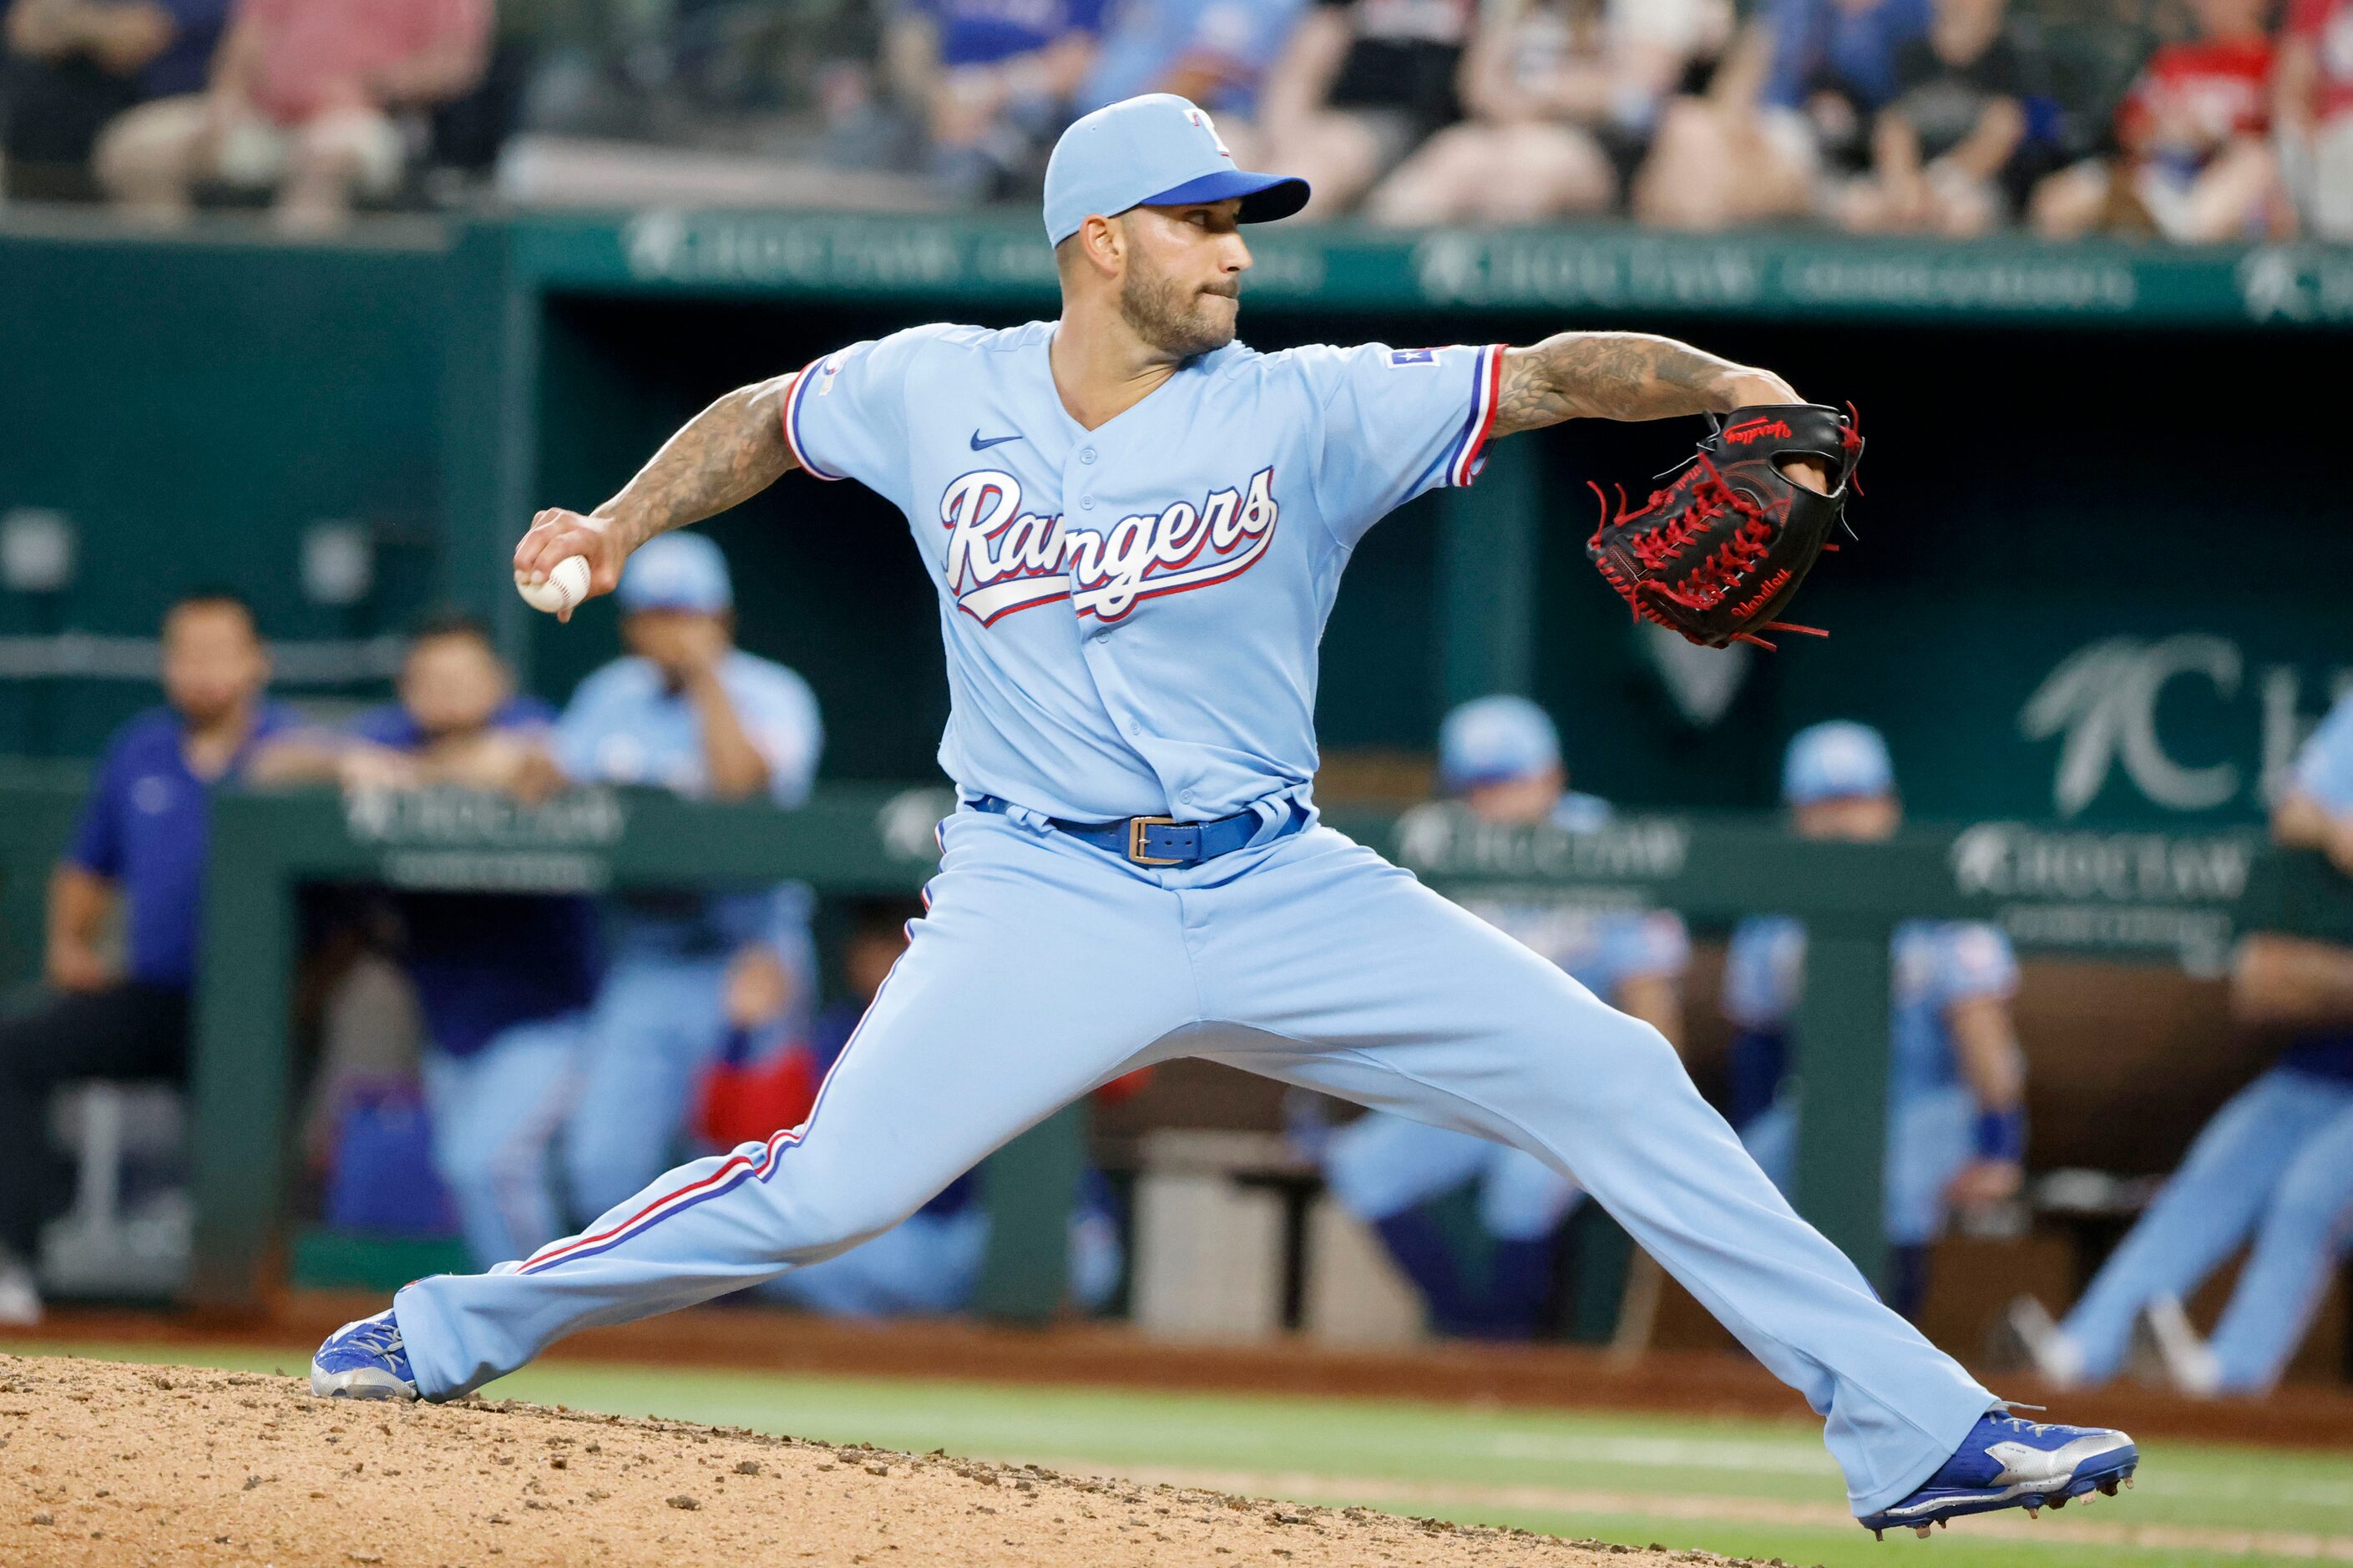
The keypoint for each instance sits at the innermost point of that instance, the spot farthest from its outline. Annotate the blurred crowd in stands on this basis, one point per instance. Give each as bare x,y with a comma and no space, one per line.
2192,120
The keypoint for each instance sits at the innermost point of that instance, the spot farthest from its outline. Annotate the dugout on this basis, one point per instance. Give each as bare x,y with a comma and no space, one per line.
2065,604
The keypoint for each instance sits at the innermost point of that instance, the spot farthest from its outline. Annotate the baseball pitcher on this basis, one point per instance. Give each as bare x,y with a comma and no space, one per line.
1136,526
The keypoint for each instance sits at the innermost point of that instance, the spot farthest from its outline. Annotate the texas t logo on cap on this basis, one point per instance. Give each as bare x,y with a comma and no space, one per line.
1201,119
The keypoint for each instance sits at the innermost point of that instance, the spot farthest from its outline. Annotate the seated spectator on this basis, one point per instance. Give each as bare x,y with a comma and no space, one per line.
1557,97
70,67
303,101
2313,106
995,80
1786,121
929,1262
1363,83
1942,152
1213,52
503,981
2196,163
141,845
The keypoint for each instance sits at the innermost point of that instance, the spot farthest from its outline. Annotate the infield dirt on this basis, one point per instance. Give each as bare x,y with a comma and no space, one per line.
102,1463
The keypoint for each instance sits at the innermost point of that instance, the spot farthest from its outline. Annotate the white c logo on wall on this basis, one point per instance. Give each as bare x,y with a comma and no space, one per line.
2103,698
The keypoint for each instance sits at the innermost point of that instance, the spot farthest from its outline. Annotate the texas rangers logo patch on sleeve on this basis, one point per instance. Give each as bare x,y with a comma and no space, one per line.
1400,358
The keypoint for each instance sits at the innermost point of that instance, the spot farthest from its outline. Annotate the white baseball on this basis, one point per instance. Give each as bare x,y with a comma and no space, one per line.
566,586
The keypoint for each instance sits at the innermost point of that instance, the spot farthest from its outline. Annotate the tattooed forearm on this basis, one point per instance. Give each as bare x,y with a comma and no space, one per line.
1622,375
727,454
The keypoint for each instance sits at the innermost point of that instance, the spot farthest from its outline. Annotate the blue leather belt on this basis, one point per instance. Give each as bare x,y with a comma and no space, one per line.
1157,840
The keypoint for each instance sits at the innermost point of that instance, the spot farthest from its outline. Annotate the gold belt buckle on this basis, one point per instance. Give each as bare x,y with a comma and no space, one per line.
1136,830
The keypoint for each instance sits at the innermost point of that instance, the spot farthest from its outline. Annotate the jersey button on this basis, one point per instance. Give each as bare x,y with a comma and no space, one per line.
1185,798
1102,636
1134,728
1086,503
1086,454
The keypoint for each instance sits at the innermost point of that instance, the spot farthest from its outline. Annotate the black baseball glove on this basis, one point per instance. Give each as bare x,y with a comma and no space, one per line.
1719,552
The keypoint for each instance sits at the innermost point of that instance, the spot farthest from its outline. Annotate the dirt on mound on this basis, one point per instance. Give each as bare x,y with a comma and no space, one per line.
102,1463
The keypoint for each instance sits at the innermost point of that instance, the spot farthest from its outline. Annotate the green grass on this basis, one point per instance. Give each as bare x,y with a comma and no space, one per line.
1761,1484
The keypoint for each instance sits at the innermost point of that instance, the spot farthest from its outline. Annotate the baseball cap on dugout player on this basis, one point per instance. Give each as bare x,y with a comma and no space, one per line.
1836,760
1491,740
676,572
1158,150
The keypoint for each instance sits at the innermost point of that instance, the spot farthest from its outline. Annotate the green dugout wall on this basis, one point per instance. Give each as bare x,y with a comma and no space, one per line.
2086,463
2125,897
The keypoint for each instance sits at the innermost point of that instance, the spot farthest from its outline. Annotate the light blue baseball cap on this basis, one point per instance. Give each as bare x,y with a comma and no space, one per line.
676,572
1491,740
1158,150
1836,761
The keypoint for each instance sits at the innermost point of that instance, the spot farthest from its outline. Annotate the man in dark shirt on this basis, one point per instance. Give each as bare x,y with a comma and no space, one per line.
504,980
1363,84
71,66
141,845
1944,150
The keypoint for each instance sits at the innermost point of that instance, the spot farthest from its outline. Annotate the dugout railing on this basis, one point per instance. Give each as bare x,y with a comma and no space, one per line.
2152,898
2146,897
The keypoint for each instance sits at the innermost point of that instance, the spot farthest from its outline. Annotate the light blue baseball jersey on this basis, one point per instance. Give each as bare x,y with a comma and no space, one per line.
1937,964
1130,614
626,725
1602,950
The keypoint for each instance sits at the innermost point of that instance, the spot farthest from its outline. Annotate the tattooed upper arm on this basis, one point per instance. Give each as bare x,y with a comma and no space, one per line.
765,408
723,455
1620,375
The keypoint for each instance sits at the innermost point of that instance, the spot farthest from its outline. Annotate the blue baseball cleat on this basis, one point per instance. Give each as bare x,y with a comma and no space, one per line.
364,1361
2009,1463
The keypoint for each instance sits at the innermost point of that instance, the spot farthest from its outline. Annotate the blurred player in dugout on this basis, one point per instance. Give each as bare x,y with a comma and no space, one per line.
689,711
2274,1166
1501,757
502,981
139,850
1956,1085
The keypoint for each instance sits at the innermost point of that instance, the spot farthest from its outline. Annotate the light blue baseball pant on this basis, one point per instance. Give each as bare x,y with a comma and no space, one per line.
1930,1136
495,1113
1378,1166
927,1265
2276,1160
1045,968
656,1023
930,1264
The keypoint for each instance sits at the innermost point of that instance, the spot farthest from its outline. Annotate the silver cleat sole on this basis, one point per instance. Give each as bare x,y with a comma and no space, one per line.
360,1382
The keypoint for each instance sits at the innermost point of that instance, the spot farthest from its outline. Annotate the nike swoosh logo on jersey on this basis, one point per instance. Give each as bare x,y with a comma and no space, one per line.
980,445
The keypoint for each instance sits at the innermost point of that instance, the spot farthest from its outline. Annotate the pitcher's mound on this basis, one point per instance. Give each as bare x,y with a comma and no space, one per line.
102,1463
